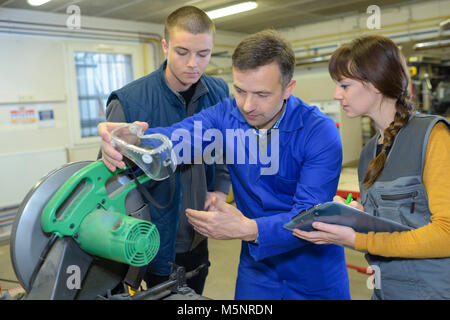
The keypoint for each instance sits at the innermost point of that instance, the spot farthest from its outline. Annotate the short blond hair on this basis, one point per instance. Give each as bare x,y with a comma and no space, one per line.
190,19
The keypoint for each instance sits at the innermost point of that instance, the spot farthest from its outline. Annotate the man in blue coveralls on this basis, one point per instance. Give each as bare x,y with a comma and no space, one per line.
301,171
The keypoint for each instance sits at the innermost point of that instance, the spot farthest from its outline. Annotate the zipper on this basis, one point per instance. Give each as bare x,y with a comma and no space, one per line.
413,195
374,203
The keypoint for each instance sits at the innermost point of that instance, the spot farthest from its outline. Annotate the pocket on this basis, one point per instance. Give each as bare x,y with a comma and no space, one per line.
391,213
283,190
398,278
401,290
405,207
408,198
285,186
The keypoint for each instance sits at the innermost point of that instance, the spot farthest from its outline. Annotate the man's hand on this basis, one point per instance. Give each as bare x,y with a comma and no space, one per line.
110,156
225,222
209,197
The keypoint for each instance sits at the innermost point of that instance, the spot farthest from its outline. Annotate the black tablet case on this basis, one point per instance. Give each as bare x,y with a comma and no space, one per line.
341,214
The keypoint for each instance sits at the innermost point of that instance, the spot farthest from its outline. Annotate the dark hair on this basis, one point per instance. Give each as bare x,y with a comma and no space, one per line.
376,59
189,18
262,48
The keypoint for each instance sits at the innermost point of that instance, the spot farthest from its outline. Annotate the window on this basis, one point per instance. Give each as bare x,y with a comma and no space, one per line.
98,74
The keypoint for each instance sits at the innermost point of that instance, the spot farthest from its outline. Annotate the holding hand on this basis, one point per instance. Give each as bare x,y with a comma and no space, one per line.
110,156
328,234
210,196
222,222
331,233
353,204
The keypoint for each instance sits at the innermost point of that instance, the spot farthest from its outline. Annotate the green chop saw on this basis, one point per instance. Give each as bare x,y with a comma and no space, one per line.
84,232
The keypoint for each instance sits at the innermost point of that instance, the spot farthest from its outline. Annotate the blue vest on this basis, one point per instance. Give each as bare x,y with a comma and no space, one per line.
150,99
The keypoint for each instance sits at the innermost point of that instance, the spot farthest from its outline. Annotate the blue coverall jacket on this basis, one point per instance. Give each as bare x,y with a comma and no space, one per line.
280,266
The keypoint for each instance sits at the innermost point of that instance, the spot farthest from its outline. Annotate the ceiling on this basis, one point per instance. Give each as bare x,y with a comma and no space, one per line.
270,13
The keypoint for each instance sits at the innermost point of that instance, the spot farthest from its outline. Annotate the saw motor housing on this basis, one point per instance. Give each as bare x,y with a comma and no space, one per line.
98,221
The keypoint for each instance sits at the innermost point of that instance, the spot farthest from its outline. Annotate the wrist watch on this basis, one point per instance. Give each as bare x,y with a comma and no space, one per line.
256,241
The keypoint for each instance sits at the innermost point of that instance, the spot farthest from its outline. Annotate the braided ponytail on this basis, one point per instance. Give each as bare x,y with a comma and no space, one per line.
404,110
376,165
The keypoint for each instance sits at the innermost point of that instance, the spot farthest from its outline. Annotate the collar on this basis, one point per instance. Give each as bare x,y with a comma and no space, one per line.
292,115
275,126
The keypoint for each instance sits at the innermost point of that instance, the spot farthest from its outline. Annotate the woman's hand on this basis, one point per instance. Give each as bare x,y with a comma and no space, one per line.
331,233
353,204
328,234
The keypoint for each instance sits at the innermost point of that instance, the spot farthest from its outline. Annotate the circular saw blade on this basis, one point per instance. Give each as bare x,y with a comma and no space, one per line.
27,237
28,240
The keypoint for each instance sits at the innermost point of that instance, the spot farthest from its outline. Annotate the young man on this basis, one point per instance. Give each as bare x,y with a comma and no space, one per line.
302,171
176,90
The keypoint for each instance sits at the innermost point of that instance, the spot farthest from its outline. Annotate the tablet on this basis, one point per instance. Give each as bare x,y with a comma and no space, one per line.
341,214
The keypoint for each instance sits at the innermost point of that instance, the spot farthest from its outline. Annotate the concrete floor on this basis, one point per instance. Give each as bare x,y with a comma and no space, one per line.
224,256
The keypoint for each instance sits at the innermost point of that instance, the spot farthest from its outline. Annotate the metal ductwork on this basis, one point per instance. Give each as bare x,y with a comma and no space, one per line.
305,61
442,43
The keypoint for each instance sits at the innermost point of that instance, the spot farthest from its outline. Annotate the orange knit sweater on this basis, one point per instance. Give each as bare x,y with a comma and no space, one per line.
433,239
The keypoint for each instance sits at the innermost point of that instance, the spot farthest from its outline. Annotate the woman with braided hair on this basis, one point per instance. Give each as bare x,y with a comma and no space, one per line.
403,171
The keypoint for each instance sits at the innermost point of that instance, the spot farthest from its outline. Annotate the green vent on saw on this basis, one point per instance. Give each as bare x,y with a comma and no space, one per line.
118,237
142,244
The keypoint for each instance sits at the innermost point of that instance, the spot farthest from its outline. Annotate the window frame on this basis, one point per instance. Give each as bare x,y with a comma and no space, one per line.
132,49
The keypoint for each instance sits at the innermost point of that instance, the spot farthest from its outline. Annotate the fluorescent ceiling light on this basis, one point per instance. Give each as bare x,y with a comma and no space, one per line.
227,11
36,3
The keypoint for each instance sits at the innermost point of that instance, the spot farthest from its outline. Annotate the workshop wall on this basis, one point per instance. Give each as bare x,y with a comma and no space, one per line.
39,114
314,43
39,109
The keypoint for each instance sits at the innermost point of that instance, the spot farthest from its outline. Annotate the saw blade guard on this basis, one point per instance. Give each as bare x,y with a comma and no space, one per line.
152,153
